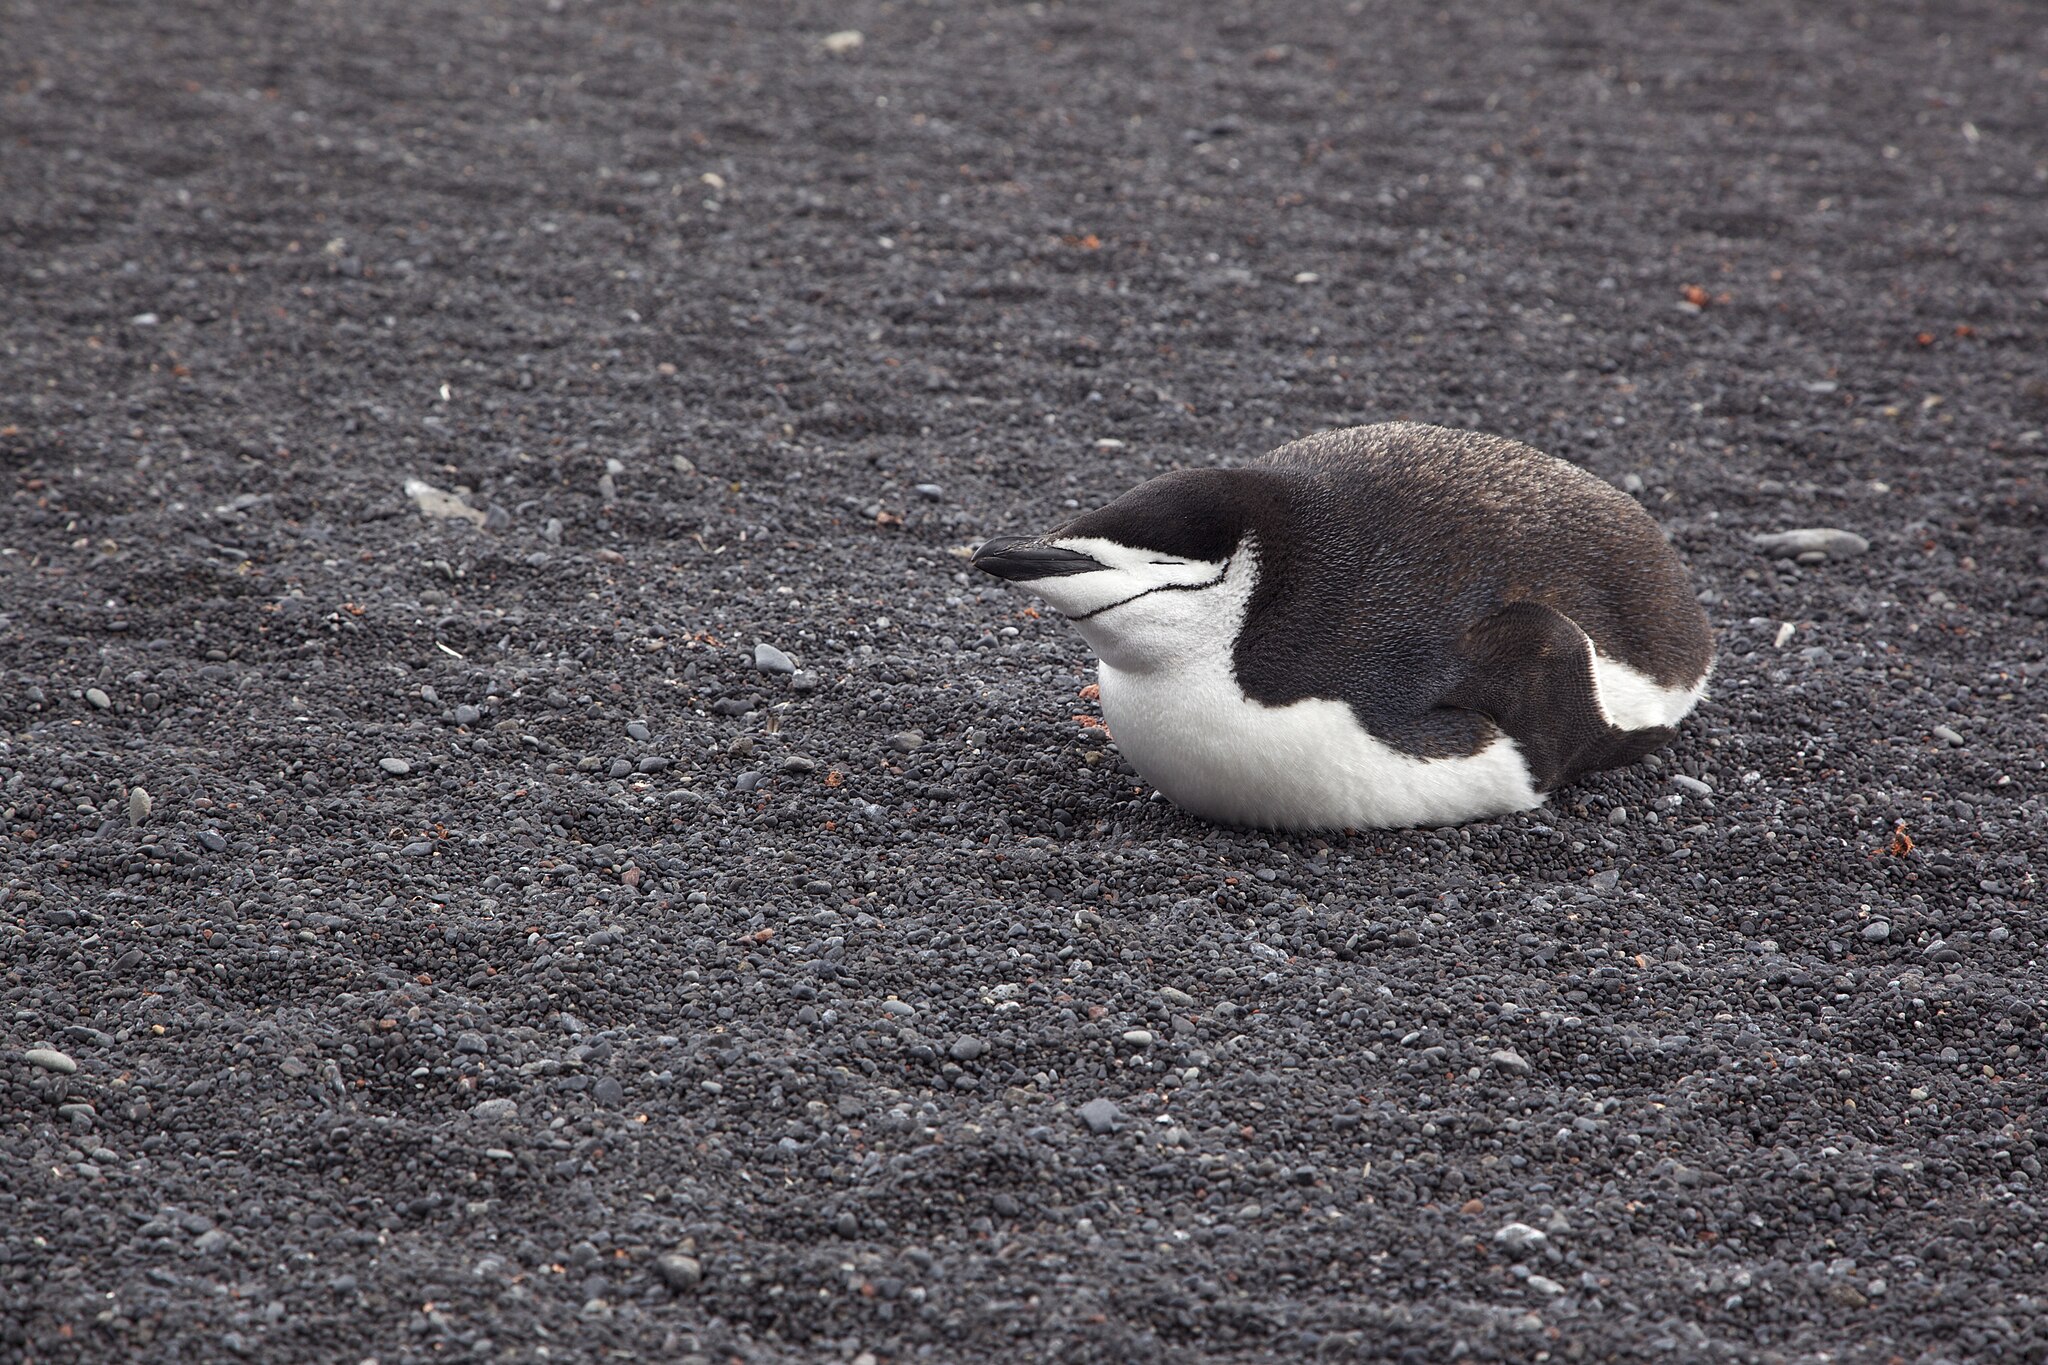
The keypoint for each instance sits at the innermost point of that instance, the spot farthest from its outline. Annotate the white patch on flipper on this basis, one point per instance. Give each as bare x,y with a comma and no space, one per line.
1171,697
1633,700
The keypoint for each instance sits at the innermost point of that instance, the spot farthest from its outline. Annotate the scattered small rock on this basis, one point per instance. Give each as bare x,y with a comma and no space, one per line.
99,699
678,1271
496,1111
138,805
1821,540
844,41
966,1049
49,1059
1691,784
1138,1037
1510,1061
906,741
397,767
1521,1237
769,659
1949,737
1101,1115
437,505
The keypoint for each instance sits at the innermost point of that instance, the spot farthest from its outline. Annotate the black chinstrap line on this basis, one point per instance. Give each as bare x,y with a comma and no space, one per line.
1221,574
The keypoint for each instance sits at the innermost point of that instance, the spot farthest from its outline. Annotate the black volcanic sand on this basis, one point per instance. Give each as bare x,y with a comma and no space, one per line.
505,969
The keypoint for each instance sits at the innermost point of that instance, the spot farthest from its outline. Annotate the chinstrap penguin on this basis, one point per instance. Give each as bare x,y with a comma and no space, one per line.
1382,626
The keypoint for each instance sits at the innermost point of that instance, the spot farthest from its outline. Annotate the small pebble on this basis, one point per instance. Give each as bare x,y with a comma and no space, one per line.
211,840
466,715
138,805
1138,1037
678,1271
637,729
98,698
49,1059
1618,816
1520,1237
609,1092
1545,1286
1180,998
1510,1061
1877,931
966,1049
906,741
1822,540
929,491
397,767
496,1111
1949,737
769,659
1691,784
1101,1115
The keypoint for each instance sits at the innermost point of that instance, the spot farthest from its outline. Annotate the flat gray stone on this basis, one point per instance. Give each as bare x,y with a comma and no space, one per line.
397,767
1510,1061
769,659
1824,540
49,1059
1101,1115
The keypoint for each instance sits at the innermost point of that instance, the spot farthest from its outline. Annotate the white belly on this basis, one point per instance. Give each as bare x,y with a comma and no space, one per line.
1307,765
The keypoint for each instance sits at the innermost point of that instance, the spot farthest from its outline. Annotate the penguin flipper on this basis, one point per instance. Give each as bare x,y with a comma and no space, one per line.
1529,670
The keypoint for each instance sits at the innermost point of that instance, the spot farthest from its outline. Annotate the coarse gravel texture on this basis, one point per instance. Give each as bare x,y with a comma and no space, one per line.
415,416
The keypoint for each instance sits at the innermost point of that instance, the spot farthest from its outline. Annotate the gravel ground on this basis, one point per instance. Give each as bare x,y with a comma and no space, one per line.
433,929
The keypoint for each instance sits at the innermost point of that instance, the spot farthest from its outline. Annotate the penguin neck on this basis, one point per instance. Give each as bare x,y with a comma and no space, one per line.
1178,632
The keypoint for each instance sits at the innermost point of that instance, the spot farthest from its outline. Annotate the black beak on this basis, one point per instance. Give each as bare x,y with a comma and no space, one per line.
1022,558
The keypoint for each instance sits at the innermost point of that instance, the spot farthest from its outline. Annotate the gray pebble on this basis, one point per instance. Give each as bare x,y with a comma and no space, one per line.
769,659
1949,737
637,729
1521,1237
897,1008
797,763
608,1092
397,767
49,1059
906,741
211,840
1618,816
1545,1286
930,491
653,763
620,767
1510,1061
496,1111
1101,1115
1824,540
138,805
1691,784
98,698
1138,1037
966,1049
678,1271
474,1043
465,714
803,682
1878,930
210,1241
1174,996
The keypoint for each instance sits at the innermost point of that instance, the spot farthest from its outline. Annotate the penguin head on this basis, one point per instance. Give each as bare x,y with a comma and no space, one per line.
1161,572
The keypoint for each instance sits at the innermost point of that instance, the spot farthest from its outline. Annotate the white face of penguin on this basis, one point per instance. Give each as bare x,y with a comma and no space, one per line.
1139,609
